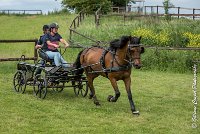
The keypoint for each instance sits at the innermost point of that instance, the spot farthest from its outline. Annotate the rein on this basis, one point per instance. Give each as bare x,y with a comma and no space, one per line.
128,58
119,67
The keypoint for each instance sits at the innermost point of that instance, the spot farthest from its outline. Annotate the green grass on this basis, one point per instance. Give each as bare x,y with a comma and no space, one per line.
163,99
30,27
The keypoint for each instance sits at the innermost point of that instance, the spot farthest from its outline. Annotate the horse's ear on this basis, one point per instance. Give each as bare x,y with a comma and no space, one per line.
142,50
140,38
130,37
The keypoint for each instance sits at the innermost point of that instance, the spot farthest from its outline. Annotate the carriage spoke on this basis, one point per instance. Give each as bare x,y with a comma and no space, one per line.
19,82
17,87
40,88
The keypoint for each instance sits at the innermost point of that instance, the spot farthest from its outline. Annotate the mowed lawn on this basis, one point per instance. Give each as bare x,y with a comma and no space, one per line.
164,100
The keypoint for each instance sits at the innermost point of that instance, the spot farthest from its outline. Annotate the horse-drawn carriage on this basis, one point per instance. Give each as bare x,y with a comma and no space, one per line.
114,63
51,77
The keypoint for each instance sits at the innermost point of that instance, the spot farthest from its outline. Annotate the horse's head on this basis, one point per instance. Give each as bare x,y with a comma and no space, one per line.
134,51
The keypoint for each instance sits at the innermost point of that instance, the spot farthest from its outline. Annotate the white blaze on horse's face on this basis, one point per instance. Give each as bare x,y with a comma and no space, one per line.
136,51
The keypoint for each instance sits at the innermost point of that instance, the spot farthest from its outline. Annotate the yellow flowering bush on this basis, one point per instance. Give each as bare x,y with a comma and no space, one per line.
194,39
150,37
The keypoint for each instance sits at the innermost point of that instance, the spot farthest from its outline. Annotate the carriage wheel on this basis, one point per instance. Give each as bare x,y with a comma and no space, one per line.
76,89
58,87
40,86
80,87
19,82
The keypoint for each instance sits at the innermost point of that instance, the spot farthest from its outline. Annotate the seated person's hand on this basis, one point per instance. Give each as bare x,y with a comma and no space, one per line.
56,46
38,46
66,45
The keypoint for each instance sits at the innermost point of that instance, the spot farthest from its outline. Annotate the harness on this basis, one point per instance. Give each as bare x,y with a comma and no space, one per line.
112,68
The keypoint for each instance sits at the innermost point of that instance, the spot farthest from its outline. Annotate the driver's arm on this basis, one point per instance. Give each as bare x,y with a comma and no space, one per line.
64,42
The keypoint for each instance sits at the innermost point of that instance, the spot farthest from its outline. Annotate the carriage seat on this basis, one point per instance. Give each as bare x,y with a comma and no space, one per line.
45,57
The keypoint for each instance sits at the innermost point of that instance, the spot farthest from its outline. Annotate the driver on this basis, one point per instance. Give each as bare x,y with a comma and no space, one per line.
51,40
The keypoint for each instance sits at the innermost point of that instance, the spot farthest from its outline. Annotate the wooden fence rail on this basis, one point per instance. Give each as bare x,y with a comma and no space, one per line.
20,41
173,48
76,22
158,9
21,12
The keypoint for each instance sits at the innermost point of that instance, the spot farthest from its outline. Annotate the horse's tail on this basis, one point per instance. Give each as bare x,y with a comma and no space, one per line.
77,65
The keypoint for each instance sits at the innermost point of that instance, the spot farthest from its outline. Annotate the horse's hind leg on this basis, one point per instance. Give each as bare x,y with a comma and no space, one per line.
117,93
92,90
127,82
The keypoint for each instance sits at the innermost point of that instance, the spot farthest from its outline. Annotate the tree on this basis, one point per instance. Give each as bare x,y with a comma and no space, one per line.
93,5
167,4
119,3
89,5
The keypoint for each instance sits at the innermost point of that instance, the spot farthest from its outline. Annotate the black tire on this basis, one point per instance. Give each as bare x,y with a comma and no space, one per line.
84,89
19,82
80,87
75,86
40,86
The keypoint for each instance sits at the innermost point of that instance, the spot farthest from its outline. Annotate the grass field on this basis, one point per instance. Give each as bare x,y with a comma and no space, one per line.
164,99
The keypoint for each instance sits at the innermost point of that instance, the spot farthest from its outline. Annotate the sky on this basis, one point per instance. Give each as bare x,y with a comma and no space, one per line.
52,5
44,5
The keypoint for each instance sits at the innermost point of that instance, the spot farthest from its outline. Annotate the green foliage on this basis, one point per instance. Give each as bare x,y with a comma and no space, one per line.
90,6
119,3
193,39
168,60
167,4
172,33
57,12
153,32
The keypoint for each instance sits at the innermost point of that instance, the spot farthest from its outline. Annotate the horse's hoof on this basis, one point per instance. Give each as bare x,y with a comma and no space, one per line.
136,113
98,104
109,98
90,96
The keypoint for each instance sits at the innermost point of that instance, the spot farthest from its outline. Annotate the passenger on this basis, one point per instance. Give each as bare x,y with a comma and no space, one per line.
40,41
51,40
40,45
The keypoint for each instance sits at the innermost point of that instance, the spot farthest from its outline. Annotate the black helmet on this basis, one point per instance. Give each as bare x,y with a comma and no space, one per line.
45,27
54,25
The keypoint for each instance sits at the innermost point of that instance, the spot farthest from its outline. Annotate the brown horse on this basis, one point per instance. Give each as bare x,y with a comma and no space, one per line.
114,63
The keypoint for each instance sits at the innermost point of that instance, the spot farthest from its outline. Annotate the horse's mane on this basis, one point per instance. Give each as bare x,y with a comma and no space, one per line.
119,43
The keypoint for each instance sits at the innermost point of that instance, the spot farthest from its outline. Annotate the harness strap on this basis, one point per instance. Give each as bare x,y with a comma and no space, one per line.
102,61
112,69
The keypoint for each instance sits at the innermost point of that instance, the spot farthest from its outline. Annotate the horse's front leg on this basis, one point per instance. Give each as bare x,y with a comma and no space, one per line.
127,83
117,93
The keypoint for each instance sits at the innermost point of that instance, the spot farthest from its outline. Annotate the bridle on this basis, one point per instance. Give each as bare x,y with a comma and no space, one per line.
131,59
